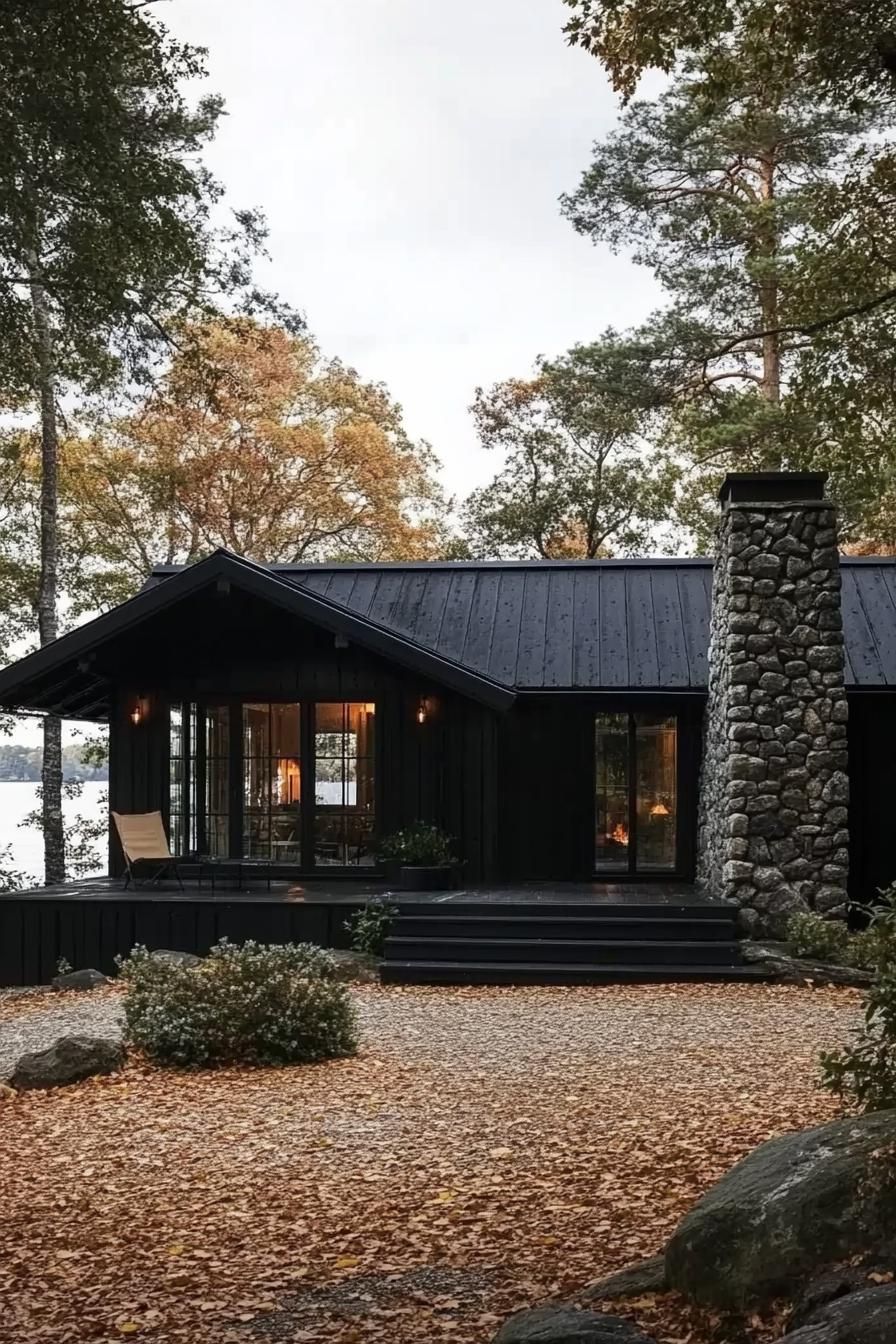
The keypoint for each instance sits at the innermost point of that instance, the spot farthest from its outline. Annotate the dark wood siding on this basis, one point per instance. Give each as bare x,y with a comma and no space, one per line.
36,933
872,775
442,771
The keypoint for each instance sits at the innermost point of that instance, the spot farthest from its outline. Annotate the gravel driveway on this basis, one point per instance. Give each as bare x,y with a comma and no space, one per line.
485,1150
50,1016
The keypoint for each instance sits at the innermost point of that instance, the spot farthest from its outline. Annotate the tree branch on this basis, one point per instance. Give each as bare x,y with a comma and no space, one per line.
806,328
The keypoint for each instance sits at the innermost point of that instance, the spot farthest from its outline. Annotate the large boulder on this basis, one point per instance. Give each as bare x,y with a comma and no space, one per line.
792,1206
782,966
68,1060
565,1325
866,1317
86,979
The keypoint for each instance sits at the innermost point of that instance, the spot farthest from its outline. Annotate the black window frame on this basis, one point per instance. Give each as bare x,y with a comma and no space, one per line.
195,769
687,732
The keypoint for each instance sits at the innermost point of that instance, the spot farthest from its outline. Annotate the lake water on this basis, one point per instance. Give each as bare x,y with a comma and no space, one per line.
26,842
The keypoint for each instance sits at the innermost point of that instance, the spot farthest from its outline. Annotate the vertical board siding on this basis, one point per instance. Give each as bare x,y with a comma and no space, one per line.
36,933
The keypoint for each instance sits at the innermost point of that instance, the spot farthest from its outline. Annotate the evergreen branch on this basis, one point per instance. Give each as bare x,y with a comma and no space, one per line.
805,328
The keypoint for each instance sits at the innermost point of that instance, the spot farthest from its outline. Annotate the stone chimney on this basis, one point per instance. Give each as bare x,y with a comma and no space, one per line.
774,790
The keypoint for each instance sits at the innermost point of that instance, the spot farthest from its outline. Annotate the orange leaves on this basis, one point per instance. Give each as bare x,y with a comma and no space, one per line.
486,1150
253,442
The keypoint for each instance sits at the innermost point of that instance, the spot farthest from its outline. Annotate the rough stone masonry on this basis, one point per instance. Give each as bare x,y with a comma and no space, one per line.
773,834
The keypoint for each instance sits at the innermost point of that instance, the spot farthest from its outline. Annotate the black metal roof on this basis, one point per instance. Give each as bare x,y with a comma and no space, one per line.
583,624
488,629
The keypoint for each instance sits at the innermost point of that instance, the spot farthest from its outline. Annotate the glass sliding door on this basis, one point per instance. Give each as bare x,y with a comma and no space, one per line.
656,754
612,794
272,782
636,793
344,736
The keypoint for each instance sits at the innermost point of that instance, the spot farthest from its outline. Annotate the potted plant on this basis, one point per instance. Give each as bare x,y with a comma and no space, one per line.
421,855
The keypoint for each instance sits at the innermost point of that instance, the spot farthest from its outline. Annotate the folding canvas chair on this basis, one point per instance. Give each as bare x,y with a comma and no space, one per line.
143,841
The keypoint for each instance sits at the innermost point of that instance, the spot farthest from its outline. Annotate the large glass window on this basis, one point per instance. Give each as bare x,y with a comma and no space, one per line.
343,784
270,751
636,792
272,782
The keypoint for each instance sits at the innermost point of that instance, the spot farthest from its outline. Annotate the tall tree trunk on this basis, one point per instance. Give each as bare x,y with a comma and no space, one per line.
768,299
47,621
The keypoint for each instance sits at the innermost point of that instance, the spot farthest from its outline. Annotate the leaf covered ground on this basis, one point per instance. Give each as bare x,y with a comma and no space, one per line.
487,1148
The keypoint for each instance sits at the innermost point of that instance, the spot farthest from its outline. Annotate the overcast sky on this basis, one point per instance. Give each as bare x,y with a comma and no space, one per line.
409,155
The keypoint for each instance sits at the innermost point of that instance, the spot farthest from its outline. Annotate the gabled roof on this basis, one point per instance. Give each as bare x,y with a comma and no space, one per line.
46,678
584,624
489,630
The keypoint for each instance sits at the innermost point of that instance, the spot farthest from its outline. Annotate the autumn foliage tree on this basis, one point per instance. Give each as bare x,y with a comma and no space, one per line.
251,441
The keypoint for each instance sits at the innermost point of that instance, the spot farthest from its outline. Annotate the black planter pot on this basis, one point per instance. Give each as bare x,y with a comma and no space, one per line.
436,878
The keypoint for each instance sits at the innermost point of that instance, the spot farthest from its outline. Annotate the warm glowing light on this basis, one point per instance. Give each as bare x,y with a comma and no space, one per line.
659,810
619,833
136,714
289,785
370,709
421,712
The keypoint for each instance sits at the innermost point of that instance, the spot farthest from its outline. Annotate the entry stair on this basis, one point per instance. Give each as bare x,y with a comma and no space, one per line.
474,943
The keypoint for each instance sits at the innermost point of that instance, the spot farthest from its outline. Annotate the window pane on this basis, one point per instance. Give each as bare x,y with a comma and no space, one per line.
612,791
344,783
178,789
656,751
272,782
217,780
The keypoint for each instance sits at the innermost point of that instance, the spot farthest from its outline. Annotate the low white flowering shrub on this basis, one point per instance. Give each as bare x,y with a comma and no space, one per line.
255,1003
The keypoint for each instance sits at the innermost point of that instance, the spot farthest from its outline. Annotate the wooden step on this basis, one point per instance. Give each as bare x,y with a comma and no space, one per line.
658,952
624,927
537,973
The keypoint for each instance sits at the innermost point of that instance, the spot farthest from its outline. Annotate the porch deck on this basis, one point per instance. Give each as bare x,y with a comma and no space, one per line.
92,921
353,892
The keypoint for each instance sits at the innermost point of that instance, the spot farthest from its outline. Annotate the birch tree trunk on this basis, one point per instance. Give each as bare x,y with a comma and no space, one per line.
47,621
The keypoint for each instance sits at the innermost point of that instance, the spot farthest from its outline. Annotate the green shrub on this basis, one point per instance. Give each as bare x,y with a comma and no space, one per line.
369,928
253,1003
867,949
822,939
865,1073
419,846
875,947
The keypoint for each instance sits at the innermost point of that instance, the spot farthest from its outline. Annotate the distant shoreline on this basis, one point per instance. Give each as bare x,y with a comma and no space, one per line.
66,779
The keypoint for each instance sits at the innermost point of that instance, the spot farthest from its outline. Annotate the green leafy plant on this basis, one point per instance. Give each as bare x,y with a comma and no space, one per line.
369,928
255,1003
864,1073
875,947
419,846
811,935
